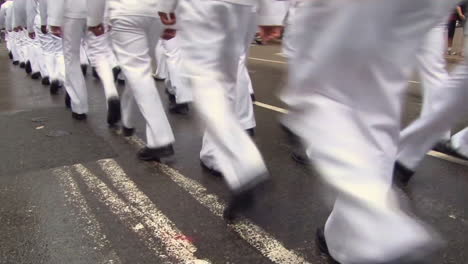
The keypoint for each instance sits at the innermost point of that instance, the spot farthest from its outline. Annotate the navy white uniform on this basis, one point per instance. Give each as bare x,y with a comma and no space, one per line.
365,100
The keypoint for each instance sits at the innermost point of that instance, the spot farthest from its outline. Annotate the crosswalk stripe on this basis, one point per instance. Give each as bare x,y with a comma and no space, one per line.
90,224
150,230
258,238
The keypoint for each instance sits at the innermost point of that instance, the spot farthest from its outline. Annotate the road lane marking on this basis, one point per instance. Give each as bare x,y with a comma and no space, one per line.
166,229
432,153
449,158
152,230
284,62
87,218
258,238
271,107
265,60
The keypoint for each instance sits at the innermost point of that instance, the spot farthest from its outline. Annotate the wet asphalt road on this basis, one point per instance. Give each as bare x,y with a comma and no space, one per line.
74,192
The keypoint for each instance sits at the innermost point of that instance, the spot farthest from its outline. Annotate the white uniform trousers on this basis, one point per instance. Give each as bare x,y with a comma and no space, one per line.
52,47
134,39
20,46
176,82
350,121
39,51
74,31
84,59
213,39
160,53
13,46
450,106
432,70
102,58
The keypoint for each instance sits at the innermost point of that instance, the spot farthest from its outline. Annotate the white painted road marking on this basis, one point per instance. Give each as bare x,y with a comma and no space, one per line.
432,153
152,230
90,224
284,62
258,238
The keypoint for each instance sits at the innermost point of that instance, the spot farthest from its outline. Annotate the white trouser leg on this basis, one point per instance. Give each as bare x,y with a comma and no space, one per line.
459,142
176,82
365,101
243,101
14,46
98,52
25,45
59,61
41,61
19,46
432,68
73,33
84,60
211,60
160,52
129,110
134,39
35,52
418,138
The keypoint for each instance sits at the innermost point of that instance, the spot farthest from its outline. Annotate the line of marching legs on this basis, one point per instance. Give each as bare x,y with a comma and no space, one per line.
345,95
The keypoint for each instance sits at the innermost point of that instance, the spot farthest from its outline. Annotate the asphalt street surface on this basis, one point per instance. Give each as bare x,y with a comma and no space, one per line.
74,192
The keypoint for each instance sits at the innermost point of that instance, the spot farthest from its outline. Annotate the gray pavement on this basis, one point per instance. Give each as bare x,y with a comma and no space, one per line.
74,192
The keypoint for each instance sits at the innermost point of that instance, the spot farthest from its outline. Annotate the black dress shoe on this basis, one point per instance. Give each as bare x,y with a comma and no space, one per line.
250,132
45,80
10,55
54,87
300,157
113,111
155,154
159,79
22,65
84,69
95,74
15,62
181,109
211,171
28,68
67,101
116,71
79,117
128,132
322,244
252,96
36,75
239,202
171,97
401,174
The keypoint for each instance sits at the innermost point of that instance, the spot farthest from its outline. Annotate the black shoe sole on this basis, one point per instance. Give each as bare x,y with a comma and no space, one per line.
36,76
401,175
84,69
210,170
128,132
116,71
22,65
45,81
79,117
113,111
10,55
28,68
95,74
54,87
67,101
157,154
239,202
181,109
16,62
